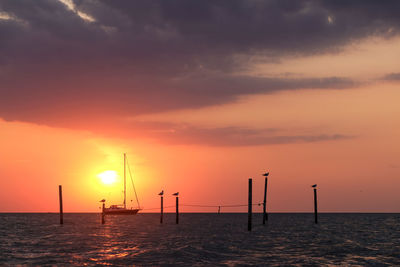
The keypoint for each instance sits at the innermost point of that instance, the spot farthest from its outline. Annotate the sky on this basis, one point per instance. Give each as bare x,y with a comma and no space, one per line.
201,95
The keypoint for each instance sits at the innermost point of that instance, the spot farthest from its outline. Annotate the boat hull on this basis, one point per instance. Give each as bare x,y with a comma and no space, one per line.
120,211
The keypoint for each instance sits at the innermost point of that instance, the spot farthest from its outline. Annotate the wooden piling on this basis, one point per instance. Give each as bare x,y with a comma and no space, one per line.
177,210
265,214
162,209
315,206
103,214
61,204
250,204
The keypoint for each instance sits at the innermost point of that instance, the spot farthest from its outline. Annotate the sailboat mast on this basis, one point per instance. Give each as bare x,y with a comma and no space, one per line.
124,180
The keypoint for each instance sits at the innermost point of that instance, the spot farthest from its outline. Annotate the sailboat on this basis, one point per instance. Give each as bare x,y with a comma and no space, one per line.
121,209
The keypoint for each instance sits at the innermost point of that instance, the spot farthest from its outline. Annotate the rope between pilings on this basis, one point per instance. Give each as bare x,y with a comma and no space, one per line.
207,206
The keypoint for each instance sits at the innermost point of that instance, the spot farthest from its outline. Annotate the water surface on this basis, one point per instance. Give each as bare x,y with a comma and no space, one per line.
200,239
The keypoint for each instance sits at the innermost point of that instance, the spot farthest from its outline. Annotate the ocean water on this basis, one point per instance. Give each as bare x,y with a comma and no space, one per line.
200,240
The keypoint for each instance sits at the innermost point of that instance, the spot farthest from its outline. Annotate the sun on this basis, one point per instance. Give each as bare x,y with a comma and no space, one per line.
108,177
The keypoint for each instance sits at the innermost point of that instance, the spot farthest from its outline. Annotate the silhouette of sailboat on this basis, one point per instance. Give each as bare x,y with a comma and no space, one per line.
121,209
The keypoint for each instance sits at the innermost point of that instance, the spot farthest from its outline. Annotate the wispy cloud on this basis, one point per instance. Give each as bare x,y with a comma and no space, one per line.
236,136
392,77
71,6
232,136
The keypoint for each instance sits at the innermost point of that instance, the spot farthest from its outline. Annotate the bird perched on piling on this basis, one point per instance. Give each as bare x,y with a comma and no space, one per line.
266,174
314,185
176,194
161,193
103,200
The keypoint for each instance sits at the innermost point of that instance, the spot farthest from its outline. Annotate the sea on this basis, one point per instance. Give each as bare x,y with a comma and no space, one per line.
200,239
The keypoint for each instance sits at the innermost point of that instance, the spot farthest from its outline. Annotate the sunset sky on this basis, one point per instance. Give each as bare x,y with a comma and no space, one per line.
201,95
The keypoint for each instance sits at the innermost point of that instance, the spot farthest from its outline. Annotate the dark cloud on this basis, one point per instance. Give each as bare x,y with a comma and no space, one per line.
62,98
149,56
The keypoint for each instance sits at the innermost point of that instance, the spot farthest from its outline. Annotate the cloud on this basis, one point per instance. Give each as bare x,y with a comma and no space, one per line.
392,77
232,136
91,97
236,136
58,67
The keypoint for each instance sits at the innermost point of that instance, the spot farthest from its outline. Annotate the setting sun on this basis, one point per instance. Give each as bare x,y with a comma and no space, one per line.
108,177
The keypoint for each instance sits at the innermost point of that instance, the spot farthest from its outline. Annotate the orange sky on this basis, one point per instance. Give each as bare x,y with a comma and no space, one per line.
345,137
355,174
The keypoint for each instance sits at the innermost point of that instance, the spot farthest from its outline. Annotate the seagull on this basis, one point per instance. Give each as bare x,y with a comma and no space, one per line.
176,194
266,174
103,200
161,193
315,185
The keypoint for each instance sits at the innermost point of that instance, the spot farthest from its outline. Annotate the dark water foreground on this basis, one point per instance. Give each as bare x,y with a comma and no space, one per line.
200,239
